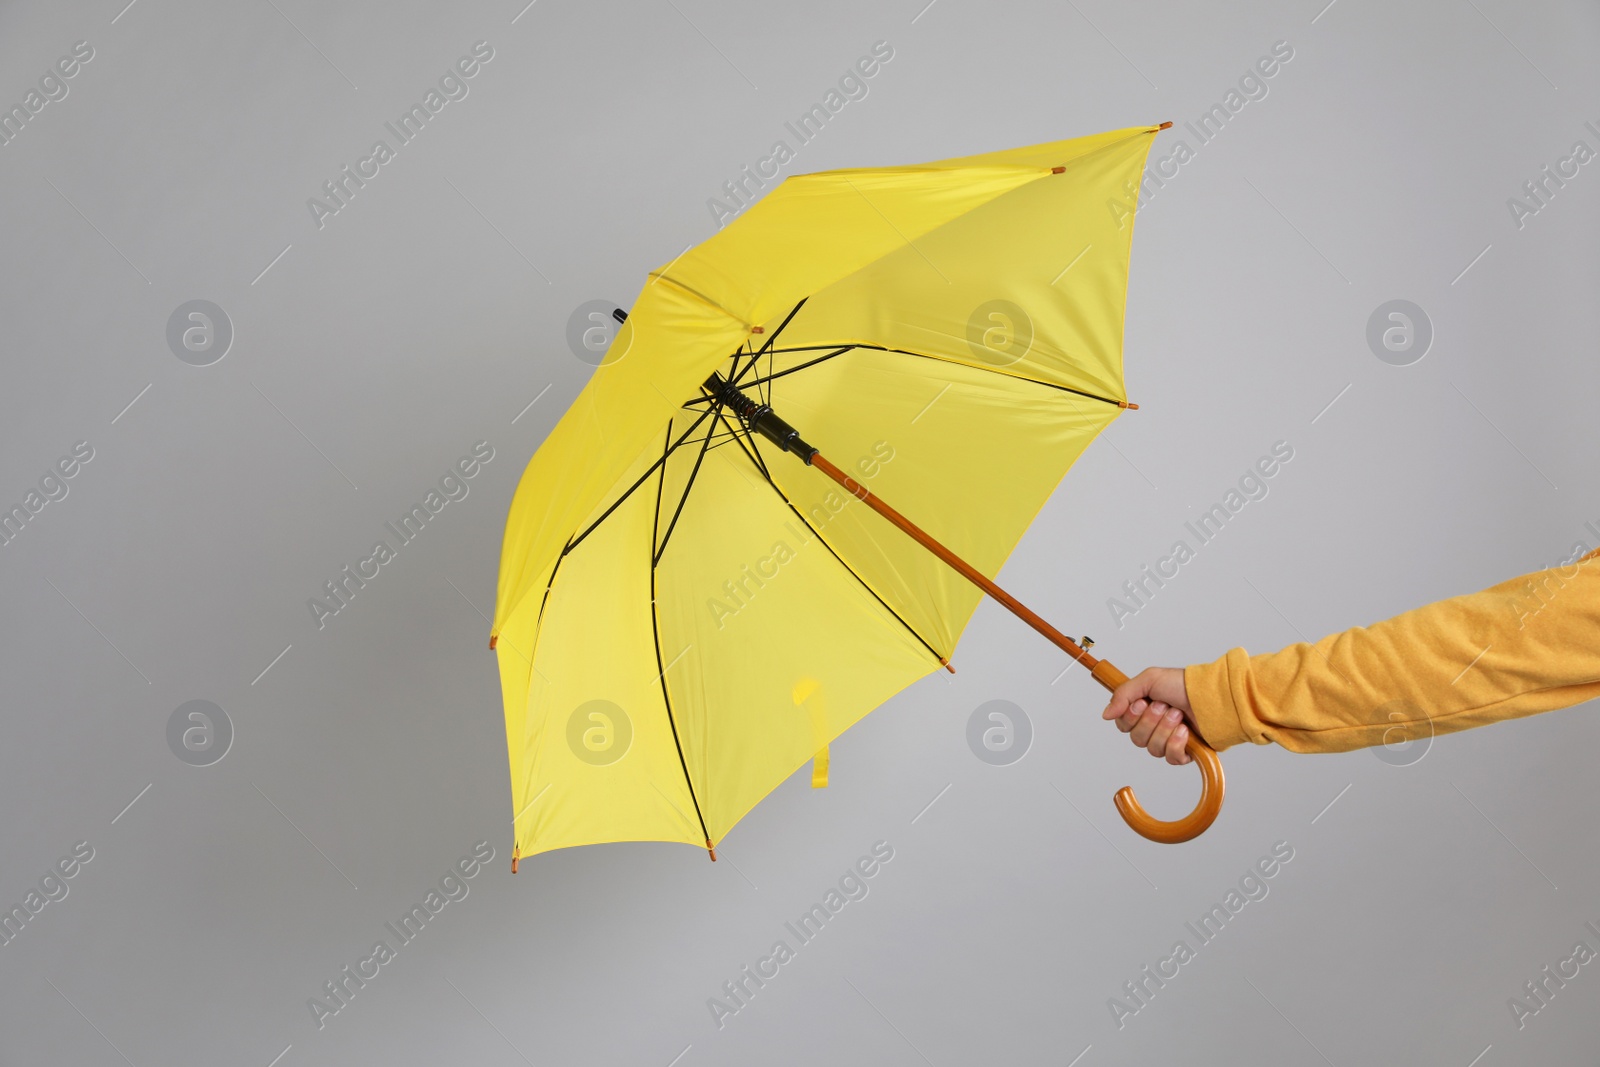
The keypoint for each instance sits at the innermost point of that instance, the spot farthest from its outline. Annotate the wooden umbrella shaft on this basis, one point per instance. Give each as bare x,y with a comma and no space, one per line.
1211,778
1103,672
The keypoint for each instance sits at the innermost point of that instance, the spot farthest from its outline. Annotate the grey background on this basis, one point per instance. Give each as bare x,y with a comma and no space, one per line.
431,311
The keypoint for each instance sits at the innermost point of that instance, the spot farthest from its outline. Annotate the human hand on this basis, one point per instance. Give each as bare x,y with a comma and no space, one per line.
1153,707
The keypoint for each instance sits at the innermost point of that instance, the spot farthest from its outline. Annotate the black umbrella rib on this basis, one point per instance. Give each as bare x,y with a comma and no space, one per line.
539,619
760,464
655,639
1017,377
766,348
740,434
838,351
572,544
923,355
824,348
766,393
687,485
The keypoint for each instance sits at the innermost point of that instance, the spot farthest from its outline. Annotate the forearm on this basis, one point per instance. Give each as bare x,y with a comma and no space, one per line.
1527,645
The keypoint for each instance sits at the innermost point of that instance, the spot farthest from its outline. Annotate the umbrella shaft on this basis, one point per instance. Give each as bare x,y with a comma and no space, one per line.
1103,672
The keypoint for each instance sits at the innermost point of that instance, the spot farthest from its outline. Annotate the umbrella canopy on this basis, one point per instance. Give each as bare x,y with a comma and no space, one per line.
685,616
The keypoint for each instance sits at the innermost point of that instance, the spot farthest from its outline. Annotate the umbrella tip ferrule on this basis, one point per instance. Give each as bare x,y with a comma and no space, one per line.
516,854
710,848
946,665
1128,406
1165,126
494,639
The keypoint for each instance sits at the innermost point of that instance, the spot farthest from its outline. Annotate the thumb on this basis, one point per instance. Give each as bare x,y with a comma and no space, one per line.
1122,697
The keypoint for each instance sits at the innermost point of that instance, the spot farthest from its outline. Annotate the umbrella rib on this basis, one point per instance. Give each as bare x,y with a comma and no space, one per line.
837,350
762,467
817,348
766,393
655,639
766,348
539,619
923,355
808,363
572,544
1017,377
687,485
697,294
755,457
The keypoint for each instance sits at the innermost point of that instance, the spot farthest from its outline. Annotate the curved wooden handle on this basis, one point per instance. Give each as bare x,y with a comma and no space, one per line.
1212,785
1197,821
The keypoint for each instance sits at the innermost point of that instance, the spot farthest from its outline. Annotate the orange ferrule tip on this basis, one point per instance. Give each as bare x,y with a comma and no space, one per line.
494,639
1126,404
516,854
1165,126
946,664
711,849
1058,170
758,329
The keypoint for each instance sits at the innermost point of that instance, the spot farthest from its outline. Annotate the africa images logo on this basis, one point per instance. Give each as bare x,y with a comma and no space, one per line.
599,732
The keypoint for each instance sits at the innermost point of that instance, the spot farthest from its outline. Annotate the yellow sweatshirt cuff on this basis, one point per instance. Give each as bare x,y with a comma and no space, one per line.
1211,702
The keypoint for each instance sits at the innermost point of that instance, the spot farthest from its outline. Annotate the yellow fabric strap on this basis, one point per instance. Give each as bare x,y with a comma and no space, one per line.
808,694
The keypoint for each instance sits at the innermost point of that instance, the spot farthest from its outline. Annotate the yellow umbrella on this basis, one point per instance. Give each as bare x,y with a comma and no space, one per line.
694,600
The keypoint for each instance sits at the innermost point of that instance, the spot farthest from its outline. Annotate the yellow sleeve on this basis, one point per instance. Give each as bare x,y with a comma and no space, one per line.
1527,645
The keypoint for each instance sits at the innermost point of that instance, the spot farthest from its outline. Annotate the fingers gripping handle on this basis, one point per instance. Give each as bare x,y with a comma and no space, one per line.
1211,785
